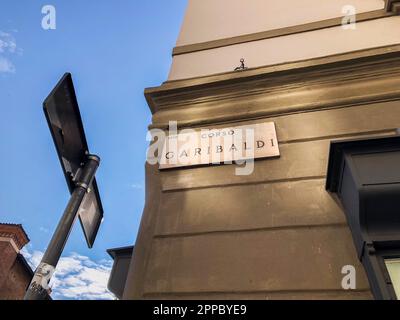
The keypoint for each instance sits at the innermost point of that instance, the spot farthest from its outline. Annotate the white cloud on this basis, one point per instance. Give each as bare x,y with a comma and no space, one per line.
43,229
7,43
137,186
6,65
8,47
32,258
77,277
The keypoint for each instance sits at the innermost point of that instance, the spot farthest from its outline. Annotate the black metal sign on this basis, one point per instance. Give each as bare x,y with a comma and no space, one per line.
65,123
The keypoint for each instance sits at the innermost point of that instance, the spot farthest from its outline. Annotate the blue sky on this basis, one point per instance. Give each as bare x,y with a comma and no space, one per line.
114,49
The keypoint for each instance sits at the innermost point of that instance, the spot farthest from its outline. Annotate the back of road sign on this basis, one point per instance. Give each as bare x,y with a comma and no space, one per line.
65,123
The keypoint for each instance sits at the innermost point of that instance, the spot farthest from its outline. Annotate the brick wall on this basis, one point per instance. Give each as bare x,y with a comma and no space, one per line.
15,273
16,282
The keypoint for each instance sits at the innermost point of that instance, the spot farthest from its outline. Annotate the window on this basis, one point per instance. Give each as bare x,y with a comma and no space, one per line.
393,267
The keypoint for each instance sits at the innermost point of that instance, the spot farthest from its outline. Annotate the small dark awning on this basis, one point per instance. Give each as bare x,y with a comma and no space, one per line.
119,272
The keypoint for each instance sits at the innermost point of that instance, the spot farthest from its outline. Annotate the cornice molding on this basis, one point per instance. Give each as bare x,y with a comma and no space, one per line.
6,238
357,77
393,6
15,233
312,26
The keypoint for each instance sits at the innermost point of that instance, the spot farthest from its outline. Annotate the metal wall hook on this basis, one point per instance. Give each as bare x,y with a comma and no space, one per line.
241,67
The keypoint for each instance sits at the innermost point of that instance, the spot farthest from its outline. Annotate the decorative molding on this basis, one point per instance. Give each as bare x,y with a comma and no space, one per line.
392,6
357,77
312,26
11,241
15,233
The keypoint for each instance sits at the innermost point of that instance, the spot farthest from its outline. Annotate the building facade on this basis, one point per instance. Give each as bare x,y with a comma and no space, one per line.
15,273
320,71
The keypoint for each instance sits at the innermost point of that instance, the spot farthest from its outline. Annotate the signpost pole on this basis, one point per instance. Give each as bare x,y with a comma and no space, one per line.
37,289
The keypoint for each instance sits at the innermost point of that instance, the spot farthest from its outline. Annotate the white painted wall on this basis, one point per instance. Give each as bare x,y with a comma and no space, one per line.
306,45
207,20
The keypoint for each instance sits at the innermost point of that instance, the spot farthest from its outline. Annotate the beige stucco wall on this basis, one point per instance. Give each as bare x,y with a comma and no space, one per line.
294,47
207,20
208,233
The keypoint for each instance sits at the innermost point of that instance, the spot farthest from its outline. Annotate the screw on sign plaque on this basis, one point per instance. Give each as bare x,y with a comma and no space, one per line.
79,166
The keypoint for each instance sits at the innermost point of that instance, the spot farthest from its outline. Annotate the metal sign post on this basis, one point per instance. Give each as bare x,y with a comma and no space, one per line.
42,276
64,120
